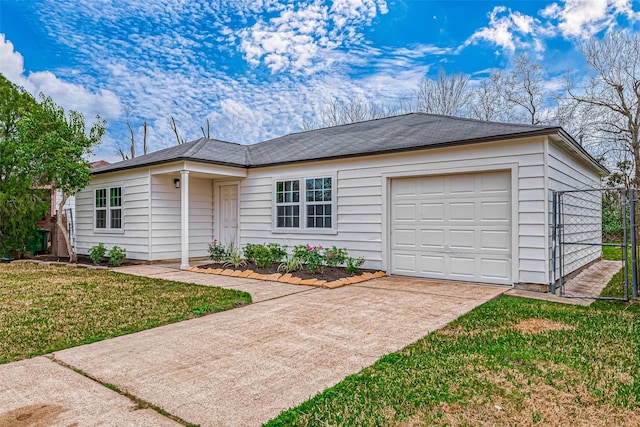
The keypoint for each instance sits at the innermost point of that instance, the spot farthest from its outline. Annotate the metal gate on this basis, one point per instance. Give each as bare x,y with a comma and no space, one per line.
587,223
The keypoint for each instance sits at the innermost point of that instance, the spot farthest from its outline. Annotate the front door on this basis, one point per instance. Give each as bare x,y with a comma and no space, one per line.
228,214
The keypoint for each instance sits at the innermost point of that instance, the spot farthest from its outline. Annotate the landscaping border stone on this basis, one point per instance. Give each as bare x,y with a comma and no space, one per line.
290,278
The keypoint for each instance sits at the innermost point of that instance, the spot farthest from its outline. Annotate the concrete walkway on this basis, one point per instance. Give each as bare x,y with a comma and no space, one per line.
241,367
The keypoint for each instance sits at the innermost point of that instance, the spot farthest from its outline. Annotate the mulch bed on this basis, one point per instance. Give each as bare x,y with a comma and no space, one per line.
82,259
328,273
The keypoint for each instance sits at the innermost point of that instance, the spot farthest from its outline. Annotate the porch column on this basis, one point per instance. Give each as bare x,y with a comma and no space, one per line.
184,218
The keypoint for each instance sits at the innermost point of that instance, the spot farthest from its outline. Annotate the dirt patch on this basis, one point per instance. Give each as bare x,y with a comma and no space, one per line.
536,326
523,403
31,416
328,273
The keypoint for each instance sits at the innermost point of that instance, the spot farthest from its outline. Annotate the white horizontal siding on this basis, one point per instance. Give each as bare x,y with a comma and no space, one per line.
166,217
359,189
135,213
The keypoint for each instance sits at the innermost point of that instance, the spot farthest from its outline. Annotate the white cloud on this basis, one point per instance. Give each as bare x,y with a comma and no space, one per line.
584,18
300,34
508,30
68,95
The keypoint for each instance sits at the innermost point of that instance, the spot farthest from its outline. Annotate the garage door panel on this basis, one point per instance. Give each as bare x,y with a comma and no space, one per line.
494,183
404,212
462,239
431,187
462,266
492,268
432,211
405,187
495,211
405,238
494,240
432,238
405,263
462,184
462,211
432,264
461,226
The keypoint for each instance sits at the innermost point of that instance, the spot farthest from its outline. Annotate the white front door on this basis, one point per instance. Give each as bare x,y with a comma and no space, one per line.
228,214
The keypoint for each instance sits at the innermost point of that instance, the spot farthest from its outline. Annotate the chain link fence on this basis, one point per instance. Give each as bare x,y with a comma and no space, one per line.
587,224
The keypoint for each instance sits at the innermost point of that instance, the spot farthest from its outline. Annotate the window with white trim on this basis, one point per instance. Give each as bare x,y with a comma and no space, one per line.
108,208
314,210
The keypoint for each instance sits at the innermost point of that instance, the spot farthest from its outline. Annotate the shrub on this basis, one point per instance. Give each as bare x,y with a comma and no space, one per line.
262,256
335,256
354,264
96,253
117,255
277,252
315,259
217,251
250,251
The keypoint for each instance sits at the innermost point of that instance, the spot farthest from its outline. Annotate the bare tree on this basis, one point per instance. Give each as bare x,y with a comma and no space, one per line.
206,134
340,112
523,88
614,90
487,102
174,128
132,145
446,94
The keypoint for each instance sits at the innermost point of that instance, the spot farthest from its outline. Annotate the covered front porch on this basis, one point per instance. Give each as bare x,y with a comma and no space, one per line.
190,205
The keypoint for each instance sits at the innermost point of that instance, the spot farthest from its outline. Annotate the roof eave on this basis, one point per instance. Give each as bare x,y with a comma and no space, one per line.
569,140
166,161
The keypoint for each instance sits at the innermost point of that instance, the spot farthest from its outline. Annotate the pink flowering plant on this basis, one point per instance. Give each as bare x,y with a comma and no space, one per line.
217,251
335,256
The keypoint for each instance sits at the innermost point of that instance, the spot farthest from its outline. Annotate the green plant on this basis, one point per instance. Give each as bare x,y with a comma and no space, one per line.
217,251
117,255
315,259
249,251
354,264
234,259
335,256
277,251
290,265
96,253
262,256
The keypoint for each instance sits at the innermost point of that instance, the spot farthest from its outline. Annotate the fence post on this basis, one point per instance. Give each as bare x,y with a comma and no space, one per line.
634,254
554,242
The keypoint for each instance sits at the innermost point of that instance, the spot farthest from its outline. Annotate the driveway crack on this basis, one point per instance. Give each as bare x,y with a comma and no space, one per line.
137,401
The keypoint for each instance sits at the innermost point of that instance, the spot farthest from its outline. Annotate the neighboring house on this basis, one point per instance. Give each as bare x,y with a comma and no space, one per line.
417,194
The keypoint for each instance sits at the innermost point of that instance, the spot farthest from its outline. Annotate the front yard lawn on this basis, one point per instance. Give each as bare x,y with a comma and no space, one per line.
50,308
508,362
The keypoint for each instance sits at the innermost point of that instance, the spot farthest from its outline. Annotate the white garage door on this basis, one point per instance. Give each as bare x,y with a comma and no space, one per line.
452,227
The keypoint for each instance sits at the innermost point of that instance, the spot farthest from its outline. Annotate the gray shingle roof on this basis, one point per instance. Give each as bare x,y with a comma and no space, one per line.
201,150
397,133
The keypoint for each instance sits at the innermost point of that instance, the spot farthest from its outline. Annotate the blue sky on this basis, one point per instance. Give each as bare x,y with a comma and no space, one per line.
259,68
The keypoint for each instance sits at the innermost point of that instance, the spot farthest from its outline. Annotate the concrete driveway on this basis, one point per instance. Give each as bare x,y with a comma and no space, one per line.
242,367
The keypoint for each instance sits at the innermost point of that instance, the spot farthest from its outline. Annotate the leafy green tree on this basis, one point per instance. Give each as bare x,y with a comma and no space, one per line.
20,205
40,145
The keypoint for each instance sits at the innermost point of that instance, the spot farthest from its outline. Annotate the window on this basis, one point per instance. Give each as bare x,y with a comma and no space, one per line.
108,211
288,204
316,204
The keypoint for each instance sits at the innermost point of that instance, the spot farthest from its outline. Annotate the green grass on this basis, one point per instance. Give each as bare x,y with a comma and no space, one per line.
613,253
508,362
45,309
